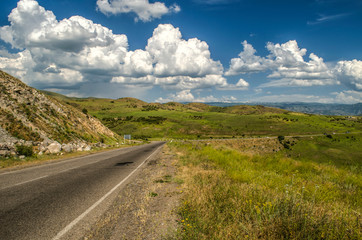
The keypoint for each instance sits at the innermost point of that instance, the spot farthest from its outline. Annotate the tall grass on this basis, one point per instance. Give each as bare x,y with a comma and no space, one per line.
233,195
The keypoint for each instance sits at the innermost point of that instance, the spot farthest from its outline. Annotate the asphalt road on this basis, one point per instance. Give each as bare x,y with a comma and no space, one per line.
62,200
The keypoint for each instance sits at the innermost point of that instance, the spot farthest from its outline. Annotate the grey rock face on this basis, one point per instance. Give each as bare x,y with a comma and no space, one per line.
54,147
67,147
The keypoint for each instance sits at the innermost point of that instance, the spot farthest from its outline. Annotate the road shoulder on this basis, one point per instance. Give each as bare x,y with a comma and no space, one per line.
146,207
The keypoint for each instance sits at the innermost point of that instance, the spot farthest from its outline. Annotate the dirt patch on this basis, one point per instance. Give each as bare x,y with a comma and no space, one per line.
146,207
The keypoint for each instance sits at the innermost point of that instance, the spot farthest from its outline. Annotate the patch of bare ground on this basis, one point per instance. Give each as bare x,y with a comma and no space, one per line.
147,207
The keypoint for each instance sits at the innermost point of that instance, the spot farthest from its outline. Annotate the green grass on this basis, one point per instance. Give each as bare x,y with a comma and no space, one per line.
311,191
200,121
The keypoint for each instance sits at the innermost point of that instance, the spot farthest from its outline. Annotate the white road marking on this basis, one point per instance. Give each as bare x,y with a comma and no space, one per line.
32,180
80,217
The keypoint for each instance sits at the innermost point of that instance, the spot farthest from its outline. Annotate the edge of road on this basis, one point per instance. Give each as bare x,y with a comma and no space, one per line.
72,224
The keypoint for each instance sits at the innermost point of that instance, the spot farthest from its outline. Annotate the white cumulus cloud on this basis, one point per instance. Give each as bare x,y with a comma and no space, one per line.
144,10
68,46
177,63
240,85
287,65
174,56
187,96
350,73
247,62
77,51
348,97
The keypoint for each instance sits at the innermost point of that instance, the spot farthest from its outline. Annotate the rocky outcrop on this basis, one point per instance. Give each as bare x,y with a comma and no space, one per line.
54,147
27,115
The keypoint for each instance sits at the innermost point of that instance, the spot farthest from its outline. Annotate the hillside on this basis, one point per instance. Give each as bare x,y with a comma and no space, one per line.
27,116
201,121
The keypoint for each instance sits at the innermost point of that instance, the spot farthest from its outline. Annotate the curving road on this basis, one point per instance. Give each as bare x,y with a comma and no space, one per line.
62,200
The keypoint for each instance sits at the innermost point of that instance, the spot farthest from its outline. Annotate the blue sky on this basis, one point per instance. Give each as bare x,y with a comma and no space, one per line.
191,50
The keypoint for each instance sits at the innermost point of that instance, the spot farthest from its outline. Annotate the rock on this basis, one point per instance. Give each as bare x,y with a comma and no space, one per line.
43,146
67,148
54,147
4,152
21,157
81,147
87,148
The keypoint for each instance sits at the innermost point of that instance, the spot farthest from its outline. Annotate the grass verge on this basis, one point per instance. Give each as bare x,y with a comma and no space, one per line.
309,191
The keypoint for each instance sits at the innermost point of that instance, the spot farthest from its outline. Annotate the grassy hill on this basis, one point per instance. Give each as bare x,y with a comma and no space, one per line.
201,121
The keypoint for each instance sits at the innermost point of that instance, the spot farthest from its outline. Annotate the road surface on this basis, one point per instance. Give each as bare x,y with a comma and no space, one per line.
62,200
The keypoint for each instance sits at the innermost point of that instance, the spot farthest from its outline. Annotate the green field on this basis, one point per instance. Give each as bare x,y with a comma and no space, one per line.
242,189
200,121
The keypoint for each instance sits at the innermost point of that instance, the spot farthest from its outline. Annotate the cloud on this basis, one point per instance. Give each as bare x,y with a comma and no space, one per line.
177,63
174,56
175,82
71,45
326,18
247,62
240,85
76,51
350,73
349,97
144,10
187,96
294,98
287,65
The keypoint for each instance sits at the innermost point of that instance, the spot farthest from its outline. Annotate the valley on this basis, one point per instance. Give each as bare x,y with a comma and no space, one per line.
200,121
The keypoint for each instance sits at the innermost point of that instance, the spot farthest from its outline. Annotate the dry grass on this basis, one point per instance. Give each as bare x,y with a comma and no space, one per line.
231,195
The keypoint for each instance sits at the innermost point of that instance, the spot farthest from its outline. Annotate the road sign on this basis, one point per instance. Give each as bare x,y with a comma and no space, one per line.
127,137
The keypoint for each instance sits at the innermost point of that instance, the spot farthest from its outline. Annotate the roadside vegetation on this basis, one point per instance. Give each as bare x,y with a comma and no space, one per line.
30,158
245,189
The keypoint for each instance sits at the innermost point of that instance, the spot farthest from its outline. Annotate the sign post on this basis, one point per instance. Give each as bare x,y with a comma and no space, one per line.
127,137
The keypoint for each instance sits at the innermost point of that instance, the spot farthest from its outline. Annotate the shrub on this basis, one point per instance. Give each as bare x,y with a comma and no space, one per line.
27,151
85,111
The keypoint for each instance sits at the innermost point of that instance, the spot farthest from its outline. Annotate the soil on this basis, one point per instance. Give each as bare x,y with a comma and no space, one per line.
146,208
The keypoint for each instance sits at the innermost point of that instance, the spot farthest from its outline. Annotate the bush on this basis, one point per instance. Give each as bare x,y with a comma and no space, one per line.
85,111
281,138
27,151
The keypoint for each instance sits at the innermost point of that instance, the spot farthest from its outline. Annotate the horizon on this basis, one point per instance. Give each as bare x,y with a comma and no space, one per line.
235,51
209,103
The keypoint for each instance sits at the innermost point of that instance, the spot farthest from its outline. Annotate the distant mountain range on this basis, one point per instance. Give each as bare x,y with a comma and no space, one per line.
313,108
